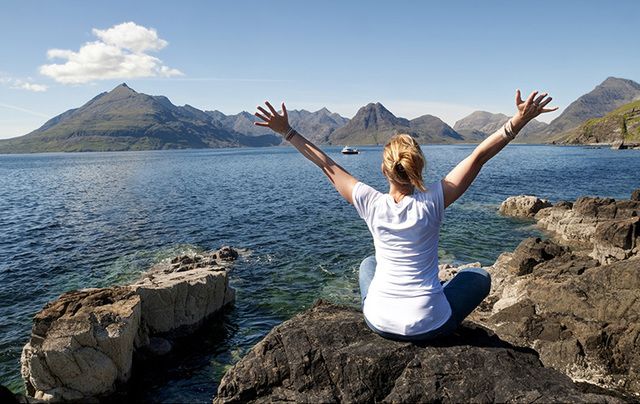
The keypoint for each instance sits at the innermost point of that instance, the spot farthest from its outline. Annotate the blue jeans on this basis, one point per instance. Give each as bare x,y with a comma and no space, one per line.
464,292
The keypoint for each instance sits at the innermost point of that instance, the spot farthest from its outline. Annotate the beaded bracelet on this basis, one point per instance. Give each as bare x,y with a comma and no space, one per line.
289,134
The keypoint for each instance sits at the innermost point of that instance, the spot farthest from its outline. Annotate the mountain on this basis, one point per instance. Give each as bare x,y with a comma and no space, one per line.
316,126
606,97
374,124
123,119
622,124
480,124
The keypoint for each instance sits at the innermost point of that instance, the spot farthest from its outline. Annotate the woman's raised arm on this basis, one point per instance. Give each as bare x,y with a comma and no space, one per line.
339,177
460,178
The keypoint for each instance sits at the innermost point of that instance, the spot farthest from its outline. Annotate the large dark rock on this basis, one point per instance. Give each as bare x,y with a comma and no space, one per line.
583,318
327,354
531,252
635,195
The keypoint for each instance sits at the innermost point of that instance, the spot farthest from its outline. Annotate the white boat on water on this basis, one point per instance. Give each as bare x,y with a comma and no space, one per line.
350,150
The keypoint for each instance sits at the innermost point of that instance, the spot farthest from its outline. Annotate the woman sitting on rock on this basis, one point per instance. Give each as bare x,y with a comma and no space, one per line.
402,296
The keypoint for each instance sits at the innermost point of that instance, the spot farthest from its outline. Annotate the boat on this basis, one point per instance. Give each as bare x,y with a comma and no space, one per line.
350,150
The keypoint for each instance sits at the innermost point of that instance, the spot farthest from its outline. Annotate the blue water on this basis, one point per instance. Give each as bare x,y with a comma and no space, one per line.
97,219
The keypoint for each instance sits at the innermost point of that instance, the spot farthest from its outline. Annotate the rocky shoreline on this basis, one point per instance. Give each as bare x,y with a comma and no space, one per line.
82,345
560,325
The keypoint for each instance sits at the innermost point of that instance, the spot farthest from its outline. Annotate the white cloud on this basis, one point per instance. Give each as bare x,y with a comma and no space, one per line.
19,84
120,52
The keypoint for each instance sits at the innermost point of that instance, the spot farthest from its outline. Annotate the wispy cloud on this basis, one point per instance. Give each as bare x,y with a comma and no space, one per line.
22,84
120,52
26,111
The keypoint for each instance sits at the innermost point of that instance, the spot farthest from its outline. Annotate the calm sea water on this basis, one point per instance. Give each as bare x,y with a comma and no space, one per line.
70,221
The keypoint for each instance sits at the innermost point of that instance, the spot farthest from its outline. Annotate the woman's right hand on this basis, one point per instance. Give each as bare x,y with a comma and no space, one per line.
278,123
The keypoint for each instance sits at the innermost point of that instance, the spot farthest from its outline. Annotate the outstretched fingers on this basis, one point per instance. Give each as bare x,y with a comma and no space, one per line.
263,117
518,97
271,108
530,99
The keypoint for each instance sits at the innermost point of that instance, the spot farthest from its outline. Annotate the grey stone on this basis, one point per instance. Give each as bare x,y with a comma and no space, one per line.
327,354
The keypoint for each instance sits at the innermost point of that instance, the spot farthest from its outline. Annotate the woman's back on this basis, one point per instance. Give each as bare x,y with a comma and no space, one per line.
405,296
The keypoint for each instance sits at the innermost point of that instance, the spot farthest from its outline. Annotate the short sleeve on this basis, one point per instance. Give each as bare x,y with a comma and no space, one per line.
433,200
363,197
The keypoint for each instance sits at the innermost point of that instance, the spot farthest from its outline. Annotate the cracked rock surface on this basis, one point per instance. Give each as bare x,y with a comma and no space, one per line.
327,354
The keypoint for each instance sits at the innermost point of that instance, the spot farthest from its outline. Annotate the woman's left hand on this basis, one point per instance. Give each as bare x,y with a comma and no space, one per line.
533,106
278,123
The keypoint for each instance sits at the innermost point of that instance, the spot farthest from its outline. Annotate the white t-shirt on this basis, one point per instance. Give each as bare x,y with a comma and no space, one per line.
405,296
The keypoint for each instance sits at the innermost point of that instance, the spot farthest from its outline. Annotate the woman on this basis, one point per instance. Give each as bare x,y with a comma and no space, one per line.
402,296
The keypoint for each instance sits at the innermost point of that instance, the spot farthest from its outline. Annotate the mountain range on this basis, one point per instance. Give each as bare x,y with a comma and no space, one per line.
123,119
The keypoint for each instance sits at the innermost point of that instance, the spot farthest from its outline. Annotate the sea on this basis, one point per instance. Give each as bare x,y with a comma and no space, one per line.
78,220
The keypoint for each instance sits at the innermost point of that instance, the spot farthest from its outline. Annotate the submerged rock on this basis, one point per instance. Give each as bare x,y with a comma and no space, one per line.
327,354
82,344
523,206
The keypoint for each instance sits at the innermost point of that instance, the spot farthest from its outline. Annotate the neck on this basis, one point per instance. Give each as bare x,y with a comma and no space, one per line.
399,191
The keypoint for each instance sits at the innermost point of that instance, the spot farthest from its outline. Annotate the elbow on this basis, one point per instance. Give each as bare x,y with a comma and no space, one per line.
478,158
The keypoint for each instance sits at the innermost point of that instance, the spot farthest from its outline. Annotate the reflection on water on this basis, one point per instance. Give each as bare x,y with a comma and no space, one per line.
84,220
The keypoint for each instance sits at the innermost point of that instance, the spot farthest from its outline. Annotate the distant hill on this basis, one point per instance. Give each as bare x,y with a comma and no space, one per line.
480,124
622,124
606,97
316,126
374,124
124,119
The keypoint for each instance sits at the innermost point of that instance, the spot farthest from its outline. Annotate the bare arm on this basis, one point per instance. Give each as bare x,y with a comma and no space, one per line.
460,178
339,177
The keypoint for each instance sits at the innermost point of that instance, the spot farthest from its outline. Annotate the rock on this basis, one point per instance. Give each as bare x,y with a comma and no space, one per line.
523,206
174,300
327,354
596,225
81,344
158,346
618,145
616,240
531,252
582,318
448,271
227,253
635,195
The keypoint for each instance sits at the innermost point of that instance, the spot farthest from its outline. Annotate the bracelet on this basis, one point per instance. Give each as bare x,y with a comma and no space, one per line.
508,132
289,134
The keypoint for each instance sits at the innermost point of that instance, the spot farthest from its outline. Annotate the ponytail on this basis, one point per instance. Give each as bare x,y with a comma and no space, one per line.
403,161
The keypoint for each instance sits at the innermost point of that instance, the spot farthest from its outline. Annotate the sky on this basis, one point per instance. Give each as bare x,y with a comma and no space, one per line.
416,57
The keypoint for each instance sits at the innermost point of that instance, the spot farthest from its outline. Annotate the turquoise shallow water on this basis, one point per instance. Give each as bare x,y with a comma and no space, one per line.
97,219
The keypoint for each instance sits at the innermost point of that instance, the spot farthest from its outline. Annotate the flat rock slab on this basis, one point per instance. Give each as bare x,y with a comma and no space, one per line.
327,354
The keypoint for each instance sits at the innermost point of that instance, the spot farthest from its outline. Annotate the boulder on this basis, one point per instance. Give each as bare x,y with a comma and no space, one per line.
595,225
81,344
531,252
181,300
523,206
616,240
635,195
582,317
327,354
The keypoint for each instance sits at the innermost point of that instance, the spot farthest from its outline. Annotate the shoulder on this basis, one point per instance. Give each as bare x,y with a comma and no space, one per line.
433,192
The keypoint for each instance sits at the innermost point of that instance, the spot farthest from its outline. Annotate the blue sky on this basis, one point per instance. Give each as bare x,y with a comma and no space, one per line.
416,57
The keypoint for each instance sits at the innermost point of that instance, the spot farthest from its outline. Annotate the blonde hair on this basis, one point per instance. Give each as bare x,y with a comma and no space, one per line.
403,161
